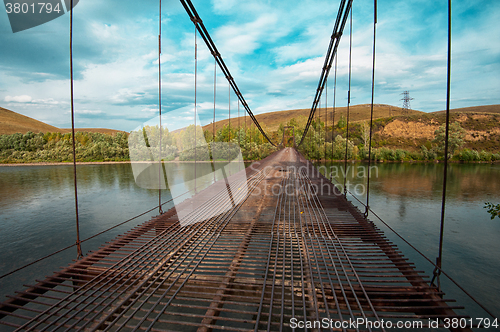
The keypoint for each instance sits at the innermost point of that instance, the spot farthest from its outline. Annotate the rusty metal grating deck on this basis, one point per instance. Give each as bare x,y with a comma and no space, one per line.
284,252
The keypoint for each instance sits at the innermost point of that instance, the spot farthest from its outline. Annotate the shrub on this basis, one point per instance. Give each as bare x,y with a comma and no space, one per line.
455,138
468,155
485,156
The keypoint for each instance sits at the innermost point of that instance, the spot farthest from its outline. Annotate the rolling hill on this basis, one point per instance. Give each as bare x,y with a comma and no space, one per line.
12,122
396,128
492,109
271,121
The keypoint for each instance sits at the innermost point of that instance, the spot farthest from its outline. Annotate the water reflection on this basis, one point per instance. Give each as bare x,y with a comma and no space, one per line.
466,182
408,197
37,209
37,214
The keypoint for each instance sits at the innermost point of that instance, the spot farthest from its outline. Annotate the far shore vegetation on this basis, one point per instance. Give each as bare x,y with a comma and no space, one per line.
319,144
493,209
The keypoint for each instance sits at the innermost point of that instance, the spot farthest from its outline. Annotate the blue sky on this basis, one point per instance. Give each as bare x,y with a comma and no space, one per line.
274,50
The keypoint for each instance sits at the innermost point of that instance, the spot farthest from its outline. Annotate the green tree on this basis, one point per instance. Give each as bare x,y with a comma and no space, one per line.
293,122
342,123
208,135
365,133
455,139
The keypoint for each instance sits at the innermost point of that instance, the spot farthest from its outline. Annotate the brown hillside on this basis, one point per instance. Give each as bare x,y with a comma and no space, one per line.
271,121
396,129
475,109
411,132
12,122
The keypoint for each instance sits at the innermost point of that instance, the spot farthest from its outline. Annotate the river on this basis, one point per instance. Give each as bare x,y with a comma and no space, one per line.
37,217
408,196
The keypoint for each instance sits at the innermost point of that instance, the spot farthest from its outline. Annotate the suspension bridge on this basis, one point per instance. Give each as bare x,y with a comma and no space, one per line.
290,251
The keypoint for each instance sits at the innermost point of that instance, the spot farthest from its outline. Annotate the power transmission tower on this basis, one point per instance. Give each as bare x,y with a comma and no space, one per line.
406,101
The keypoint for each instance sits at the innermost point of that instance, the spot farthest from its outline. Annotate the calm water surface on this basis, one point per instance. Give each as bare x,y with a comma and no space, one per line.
37,217
407,196
37,214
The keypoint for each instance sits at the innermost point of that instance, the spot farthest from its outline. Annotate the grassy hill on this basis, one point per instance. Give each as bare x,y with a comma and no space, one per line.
397,135
492,109
12,122
393,127
271,121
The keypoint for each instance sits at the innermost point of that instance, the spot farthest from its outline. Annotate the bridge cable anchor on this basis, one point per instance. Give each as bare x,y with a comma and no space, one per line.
196,20
436,275
79,253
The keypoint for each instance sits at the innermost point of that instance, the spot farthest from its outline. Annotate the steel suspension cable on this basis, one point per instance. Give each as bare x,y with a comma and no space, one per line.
123,261
425,257
348,104
245,118
131,259
195,95
315,126
213,122
160,211
342,15
437,270
239,131
326,116
367,209
87,239
334,96
195,18
215,92
239,141
229,110
78,242
38,260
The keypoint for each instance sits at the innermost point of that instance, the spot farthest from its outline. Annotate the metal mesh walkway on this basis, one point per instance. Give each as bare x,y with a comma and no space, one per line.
292,250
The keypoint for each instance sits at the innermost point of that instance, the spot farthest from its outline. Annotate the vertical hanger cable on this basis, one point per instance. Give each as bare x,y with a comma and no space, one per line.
437,270
348,104
367,207
195,95
78,242
334,97
160,210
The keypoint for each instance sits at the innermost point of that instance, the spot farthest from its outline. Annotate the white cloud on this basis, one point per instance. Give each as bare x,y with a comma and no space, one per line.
274,50
246,38
206,105
150,110
48,101
86,112
105,32
223,6
18,99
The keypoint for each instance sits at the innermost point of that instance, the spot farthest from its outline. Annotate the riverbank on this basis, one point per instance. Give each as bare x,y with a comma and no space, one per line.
69,163
406,161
